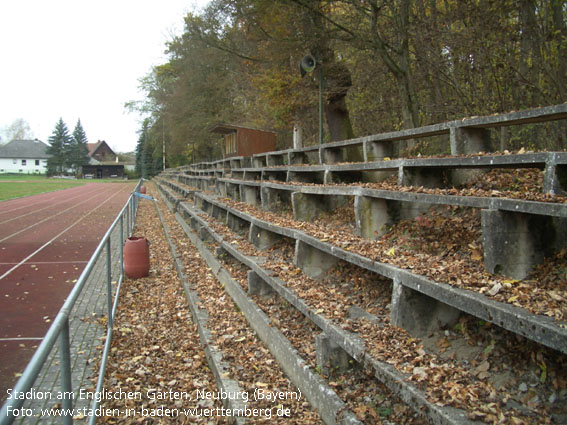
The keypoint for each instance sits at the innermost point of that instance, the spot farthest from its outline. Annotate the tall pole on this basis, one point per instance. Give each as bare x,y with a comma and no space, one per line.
307,65
163,142
320,104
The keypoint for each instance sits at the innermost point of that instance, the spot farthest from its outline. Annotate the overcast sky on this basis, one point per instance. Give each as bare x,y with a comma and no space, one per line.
82,59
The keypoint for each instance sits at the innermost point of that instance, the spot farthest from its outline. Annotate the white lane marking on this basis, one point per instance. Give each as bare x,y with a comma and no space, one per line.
41,209
48,262
48,218
55,237
26,205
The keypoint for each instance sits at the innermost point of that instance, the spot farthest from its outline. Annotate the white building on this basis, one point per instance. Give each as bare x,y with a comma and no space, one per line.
24,157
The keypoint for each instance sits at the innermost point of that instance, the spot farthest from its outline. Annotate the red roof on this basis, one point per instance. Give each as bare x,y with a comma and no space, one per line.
92,147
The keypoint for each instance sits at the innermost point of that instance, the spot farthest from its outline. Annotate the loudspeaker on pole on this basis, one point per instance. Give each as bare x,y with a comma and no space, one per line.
307,65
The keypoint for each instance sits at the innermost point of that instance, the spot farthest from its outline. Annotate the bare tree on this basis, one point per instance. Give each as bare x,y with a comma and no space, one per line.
18,130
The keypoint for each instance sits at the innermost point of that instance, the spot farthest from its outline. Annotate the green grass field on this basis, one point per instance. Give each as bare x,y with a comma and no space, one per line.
15,186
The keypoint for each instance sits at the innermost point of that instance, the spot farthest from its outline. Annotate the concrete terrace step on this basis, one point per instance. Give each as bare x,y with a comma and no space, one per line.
540,329
263,234
352,345
331,408
498,203
514,230
416,172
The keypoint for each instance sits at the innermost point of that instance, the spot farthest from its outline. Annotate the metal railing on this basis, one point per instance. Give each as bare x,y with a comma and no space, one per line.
59,330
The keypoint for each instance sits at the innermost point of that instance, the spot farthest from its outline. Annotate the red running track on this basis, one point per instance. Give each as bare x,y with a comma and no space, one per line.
45,242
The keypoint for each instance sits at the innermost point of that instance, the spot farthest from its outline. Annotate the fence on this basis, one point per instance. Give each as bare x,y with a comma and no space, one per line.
77,326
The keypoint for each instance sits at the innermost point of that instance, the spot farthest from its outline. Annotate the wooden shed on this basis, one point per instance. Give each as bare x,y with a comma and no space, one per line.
245,141
103,162
103,170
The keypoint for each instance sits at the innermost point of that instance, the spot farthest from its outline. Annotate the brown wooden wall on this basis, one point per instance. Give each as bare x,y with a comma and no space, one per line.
252,141
104,153
103,171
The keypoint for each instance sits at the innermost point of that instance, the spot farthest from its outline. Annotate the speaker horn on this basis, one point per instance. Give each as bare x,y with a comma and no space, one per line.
307,64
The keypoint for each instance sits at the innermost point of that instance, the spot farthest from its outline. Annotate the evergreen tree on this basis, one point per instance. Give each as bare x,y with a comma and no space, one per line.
148,164
59,142
79,152
141,155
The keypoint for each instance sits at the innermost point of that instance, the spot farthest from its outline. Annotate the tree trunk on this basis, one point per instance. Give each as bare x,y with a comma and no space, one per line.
338,119
410,111
560,32
528,46
397,60
410,108
336,83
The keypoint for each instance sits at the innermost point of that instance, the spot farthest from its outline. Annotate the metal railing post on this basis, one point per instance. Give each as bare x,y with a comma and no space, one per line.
132,214
128,218
66,385
109,282
121,245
